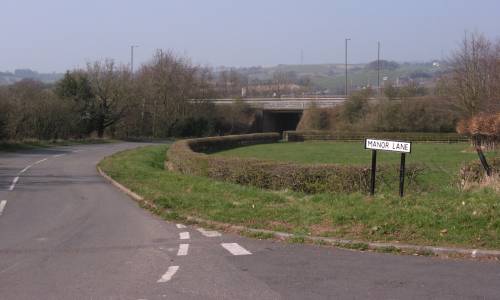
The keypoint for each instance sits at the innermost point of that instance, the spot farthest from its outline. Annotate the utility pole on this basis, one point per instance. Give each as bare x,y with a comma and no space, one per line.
301,56
346,91
132,58
378,70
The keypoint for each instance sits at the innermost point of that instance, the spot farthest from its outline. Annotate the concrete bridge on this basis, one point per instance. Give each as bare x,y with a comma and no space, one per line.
281,114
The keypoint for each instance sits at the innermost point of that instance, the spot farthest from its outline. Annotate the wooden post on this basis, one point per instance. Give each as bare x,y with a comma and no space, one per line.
482,158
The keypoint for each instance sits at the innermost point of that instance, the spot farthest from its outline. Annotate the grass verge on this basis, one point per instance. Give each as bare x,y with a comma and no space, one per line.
446,217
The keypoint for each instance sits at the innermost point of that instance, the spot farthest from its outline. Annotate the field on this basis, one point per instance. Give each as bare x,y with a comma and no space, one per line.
441,162
445,216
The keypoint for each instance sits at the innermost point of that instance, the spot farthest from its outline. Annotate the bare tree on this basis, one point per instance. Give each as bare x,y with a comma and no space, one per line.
475,75
173,91
111,88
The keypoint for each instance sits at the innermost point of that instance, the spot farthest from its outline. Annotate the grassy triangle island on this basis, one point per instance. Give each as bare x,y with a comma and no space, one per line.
295,188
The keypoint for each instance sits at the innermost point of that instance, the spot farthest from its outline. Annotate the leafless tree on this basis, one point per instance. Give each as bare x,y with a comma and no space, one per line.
172,90
474,81
111,87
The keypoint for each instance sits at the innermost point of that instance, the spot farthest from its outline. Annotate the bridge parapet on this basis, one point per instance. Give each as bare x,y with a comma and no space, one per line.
284,103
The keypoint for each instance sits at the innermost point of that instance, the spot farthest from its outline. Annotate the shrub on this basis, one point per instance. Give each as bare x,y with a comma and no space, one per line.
483,129
361,113
189,157
473,173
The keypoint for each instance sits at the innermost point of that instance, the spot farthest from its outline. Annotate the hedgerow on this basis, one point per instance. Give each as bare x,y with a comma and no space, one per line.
190,157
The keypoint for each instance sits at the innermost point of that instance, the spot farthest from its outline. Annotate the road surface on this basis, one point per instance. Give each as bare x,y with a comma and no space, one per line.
65,233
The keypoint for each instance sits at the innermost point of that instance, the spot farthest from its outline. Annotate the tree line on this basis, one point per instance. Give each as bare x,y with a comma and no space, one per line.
168,97
165,97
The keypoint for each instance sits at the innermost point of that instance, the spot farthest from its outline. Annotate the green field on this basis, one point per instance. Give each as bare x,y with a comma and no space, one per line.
446,216
441,162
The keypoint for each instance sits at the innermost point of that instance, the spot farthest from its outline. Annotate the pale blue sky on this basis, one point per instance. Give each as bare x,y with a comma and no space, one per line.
54,35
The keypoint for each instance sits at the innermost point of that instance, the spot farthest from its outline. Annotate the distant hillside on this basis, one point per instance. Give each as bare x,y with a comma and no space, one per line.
331,77
7,78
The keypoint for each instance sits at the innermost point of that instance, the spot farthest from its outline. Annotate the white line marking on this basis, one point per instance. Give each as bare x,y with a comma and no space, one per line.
180,226
59,155
184,235
235,249
13,185
25,169
2,206
209,233
168,275
183,250
40,161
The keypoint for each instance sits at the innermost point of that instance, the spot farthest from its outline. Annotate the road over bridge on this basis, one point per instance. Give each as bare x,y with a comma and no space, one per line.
281,114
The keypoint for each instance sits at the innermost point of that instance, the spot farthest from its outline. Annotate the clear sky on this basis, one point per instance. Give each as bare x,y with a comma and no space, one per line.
54,35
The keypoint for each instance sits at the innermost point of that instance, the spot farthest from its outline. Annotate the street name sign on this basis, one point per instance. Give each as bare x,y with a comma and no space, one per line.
395,146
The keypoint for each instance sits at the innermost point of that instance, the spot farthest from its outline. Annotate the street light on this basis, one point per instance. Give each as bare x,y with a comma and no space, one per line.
346,91
378,70
132,58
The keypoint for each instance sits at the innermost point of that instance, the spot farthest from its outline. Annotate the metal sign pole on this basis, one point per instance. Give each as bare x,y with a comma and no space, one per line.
402,175
374,170
392,146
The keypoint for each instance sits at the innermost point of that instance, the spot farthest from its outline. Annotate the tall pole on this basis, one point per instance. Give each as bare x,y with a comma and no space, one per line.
132,58
346,91
378,70
374,172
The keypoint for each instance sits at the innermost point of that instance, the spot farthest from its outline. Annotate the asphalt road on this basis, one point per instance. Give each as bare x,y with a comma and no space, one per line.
65,233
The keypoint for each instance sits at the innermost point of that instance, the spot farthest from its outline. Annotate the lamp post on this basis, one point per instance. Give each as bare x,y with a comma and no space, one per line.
346,91
378,70
132,58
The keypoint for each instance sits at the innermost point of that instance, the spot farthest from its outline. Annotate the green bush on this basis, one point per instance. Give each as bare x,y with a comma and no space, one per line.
189,157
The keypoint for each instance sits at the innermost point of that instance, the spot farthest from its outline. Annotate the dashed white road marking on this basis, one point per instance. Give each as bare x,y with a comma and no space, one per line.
180,226
209,233
169,274
2,206
25,169
235,249
183,250
59,155
14,182
40,161
184,235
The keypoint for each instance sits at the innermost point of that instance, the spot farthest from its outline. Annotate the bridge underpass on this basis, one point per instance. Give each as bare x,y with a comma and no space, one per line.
281,114
280,120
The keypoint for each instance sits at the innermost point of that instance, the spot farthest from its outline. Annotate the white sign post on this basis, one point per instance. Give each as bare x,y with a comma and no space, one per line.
393,146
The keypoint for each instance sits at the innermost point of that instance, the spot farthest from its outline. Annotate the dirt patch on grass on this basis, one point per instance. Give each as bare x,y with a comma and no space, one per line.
280,226
326,228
